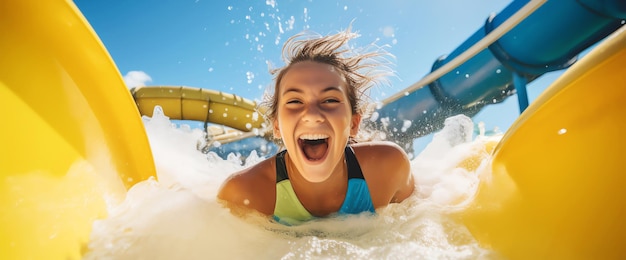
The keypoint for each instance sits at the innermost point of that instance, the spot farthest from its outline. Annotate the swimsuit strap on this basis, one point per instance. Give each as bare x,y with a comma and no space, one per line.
281,168
354,169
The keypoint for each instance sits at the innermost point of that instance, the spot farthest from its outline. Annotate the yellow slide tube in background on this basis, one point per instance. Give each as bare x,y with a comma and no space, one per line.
204,105
71,135
558,180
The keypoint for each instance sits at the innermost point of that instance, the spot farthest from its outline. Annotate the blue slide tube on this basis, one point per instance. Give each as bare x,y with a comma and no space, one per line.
547,40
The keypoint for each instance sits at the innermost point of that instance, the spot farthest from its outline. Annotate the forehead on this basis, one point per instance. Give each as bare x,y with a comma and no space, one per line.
311,74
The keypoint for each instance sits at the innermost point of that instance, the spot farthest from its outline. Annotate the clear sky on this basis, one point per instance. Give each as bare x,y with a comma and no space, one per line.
227,45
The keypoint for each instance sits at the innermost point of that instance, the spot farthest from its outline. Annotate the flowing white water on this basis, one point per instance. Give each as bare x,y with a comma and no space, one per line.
178,217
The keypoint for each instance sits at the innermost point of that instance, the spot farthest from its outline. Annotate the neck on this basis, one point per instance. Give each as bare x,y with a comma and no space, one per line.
336,183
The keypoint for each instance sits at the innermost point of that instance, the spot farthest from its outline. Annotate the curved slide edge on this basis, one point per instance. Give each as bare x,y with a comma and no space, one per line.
557,180
72,139
198,104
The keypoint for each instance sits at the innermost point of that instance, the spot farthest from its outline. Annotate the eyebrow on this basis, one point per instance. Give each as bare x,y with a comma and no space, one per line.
298,90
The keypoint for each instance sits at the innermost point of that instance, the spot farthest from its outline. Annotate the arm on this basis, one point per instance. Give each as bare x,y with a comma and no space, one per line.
232,195
250,189
387,170
403,182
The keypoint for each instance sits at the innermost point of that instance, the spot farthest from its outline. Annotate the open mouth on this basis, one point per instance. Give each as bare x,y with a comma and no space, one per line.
314,146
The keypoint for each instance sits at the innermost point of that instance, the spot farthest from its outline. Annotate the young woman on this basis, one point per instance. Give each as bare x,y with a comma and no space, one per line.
315,111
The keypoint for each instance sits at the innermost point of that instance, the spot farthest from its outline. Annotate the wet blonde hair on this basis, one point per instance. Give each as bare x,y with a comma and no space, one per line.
361,68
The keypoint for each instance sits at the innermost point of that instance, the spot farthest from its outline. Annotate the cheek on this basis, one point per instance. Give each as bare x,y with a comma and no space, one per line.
284,123
343,122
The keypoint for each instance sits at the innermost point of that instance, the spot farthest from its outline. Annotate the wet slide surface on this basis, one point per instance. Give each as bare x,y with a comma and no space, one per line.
556,189
72,137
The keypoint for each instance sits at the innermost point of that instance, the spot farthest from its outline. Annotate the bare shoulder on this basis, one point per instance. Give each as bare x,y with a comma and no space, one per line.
387,169
381,150
251,188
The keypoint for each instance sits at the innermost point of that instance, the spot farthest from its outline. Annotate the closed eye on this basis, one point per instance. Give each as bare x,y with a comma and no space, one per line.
331,100
294,101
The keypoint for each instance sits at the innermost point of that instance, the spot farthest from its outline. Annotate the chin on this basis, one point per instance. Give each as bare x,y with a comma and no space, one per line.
315,176
318,171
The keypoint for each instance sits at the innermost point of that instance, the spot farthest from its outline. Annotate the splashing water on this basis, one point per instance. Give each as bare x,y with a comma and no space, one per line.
178,217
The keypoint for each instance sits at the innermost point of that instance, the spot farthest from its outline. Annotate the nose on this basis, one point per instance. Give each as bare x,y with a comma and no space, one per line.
312,113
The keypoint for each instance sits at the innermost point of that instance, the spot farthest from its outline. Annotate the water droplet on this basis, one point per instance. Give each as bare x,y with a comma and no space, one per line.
466,75
498,71
374,116
562,131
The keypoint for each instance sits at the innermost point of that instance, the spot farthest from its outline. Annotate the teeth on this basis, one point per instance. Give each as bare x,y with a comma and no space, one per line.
313,136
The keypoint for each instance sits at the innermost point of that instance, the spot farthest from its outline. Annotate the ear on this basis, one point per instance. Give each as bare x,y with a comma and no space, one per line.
276,129
355,123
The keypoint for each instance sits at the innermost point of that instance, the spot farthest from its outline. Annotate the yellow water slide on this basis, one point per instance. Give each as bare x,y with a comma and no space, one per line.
204,105
72,138
71,135
557,187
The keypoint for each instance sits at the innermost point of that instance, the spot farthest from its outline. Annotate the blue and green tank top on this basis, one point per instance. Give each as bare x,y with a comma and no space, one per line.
290,211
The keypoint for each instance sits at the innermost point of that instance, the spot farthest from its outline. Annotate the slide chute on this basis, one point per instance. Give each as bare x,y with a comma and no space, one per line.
72,137
198,104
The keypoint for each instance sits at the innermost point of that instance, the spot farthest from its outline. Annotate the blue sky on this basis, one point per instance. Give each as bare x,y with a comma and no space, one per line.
227,45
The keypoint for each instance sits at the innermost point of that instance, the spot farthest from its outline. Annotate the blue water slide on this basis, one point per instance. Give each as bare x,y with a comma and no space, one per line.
549,39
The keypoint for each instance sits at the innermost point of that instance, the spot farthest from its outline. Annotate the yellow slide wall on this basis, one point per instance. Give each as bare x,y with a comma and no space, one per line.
71,135
557,190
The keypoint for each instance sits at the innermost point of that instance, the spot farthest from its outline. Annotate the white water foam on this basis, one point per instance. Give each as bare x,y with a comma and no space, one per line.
178,217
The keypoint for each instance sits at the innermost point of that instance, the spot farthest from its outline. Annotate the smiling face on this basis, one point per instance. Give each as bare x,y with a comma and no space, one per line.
314,118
